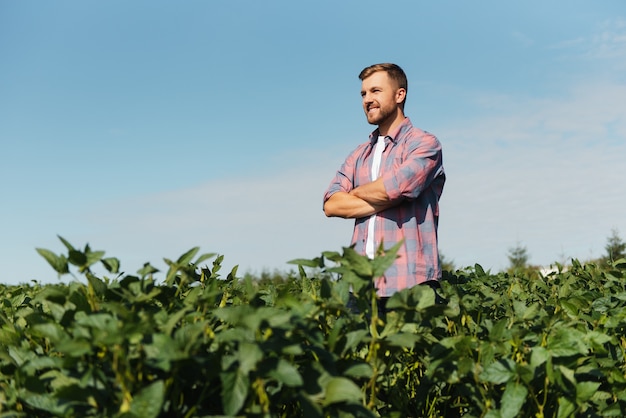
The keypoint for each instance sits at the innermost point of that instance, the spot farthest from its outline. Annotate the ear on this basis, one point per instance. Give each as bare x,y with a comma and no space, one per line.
400,95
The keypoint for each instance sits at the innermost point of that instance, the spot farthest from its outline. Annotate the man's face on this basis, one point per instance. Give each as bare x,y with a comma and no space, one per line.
381,97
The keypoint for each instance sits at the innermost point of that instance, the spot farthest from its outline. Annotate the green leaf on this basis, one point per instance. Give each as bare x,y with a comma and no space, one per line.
480,272
332,256
287,374
149,401
341,389
99,287
143,297
249,355
171,272
316,262
46,403
93,257
97,321
425,297
173,321
325,289
74,347
513,399
358,263
570,308
353,338
415,298
566,408
204,257
498,330
58,263
334,333
58,380
568,373
112,264
597,339
50,330
538,356
381,263
234,391
19,356
77,258
358,371
233,273
66,243
531,312
147,269
163,351
565,342
186,258
499,372
585,390
402,339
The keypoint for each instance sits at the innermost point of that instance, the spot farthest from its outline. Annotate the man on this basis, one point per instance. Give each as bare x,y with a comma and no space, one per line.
391,185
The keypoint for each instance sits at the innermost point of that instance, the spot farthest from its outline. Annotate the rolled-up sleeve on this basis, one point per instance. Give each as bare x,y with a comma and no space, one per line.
345,177
415,171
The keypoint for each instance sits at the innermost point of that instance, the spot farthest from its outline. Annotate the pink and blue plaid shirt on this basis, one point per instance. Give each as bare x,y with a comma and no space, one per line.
413,175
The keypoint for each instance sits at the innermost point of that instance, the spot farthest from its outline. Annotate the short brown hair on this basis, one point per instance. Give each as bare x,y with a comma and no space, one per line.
394,71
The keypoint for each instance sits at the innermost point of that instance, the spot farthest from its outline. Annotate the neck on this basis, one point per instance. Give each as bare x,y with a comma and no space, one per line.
391,123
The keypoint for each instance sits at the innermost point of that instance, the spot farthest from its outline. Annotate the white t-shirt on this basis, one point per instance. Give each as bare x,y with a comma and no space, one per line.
378,153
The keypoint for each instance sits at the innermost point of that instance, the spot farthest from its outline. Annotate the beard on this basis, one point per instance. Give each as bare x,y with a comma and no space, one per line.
379,115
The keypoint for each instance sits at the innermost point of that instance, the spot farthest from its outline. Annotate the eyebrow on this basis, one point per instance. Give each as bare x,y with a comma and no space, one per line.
371,88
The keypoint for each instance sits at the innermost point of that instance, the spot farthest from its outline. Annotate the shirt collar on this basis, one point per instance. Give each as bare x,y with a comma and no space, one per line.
393,135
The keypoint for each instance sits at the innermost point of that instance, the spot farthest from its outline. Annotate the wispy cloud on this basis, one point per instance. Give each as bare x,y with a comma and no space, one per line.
522,38
610,42
256,223
586,112
607,43
542,171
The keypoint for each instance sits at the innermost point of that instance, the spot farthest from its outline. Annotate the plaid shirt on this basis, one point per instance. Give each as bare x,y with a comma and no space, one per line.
412,172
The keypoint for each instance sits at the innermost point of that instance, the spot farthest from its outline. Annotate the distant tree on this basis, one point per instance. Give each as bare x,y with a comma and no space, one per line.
446,264
266,277
518,257
615,247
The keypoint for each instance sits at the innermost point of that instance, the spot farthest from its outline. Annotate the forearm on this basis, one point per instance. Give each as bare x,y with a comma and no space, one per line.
347,205
373,193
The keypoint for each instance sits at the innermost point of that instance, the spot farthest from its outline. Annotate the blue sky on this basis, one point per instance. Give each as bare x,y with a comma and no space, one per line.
147,128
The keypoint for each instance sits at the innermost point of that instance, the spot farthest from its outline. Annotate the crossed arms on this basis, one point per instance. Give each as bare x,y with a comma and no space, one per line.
421,165
362,201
